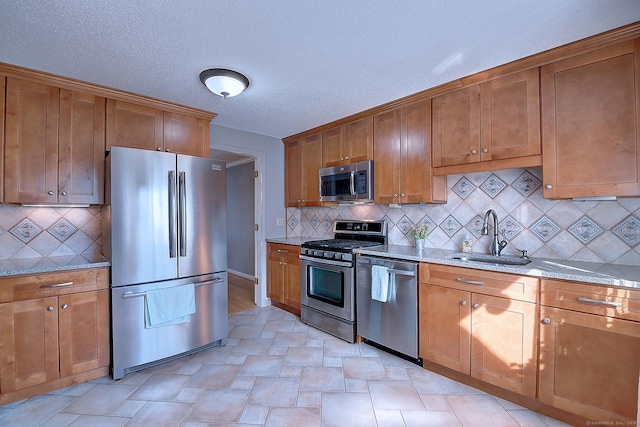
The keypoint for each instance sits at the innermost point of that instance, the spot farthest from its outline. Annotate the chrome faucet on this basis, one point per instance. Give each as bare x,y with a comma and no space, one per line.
496,246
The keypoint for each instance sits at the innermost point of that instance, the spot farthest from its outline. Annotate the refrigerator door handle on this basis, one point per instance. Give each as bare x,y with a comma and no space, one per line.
182,195
172,214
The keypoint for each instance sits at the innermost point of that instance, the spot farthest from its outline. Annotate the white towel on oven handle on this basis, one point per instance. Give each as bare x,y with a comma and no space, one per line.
381,283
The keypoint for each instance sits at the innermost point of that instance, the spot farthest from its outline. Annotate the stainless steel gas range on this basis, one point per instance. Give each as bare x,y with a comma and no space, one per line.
327,270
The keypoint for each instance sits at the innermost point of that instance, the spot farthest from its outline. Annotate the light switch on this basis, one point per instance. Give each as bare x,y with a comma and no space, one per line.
279,222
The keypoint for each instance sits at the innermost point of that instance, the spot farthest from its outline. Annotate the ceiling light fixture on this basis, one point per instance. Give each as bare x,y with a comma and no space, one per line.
224,82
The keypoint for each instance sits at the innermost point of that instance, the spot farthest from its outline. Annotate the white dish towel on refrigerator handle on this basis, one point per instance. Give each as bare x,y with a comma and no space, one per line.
381,283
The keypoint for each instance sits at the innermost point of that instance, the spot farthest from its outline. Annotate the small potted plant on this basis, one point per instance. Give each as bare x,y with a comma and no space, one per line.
419,233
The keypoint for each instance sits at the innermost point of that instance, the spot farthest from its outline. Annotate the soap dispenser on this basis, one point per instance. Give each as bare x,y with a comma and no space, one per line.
467,244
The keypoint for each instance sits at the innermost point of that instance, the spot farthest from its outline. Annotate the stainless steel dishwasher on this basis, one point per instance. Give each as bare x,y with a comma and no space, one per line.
390,321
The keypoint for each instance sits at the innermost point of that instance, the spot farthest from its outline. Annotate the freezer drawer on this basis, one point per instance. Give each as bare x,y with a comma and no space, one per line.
135,346
394,323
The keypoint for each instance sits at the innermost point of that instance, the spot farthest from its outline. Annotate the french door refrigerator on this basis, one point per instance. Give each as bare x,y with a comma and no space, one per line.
164,228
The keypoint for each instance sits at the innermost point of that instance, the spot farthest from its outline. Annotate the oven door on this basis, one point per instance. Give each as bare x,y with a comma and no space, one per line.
328,286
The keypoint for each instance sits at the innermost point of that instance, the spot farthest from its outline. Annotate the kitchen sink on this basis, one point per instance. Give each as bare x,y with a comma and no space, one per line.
491,259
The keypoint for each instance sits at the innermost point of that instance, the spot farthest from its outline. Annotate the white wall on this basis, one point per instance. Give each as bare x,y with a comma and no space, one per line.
240,219
228,139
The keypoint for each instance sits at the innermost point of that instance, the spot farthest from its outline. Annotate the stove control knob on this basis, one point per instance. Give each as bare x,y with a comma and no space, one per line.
328,255
338,255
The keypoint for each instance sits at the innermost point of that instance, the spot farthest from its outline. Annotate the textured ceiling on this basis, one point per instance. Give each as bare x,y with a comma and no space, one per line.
309,62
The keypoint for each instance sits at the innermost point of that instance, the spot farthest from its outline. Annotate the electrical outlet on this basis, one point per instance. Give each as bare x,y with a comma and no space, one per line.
279,222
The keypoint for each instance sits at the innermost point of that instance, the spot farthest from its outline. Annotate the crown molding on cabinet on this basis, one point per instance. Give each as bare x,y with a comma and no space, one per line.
107,92
618,35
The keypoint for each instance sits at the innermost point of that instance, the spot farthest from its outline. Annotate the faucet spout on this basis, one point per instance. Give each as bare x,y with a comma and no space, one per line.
496,246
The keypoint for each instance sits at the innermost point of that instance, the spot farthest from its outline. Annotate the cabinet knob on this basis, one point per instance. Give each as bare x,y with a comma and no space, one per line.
167,150
546,320
346,158
474,151
50,193
159,148
463,302
548,186
485,150
65,306
341,158
395,194
476,305
64,193
50,308
401,194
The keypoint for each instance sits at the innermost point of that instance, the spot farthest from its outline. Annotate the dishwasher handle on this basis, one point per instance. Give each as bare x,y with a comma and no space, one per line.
402,272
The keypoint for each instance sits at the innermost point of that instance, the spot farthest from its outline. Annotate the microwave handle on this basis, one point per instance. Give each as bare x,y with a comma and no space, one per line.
352,184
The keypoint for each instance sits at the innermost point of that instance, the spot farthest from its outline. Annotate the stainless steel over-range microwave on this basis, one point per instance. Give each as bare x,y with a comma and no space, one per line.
347,183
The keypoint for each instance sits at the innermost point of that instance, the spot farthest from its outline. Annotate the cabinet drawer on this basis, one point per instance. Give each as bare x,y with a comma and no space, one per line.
20,288
283,249
483,282
594,299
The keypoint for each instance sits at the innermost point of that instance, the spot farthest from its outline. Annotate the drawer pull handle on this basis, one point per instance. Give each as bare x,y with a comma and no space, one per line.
469,282
57,285
595,301
283,251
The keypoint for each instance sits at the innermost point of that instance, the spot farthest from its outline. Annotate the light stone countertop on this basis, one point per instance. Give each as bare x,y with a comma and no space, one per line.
588,272
16,267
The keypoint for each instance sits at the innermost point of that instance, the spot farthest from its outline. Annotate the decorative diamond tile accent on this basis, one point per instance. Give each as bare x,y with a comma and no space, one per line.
427,221
629,230
493,186
510,227
61,230
315,222
327,223
463,188
292,222
475,226
450,226
26,230
404,225
544,229
526,184
585,229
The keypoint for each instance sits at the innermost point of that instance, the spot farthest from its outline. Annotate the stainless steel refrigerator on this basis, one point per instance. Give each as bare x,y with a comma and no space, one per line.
164,230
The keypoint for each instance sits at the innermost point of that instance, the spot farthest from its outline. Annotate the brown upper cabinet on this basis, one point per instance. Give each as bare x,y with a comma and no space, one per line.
402,157
55,144
350,143
140,126
590,123
492,125
303,160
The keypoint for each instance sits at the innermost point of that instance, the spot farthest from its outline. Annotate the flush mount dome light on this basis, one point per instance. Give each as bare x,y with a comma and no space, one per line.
224,82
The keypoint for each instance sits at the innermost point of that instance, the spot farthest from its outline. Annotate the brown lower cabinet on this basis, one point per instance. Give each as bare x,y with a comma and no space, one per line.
283,272
574,356
55,331
493,339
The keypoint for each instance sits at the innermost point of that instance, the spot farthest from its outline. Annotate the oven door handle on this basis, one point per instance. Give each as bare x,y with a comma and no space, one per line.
335,263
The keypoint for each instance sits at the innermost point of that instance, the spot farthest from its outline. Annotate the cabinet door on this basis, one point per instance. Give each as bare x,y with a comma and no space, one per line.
186,135
590,123
31,142
456,128
293,173
84,332
292,279
134,126
386,157
359,141
311,164
589,364
510,111
415,153
81,148
445,327
276,274
504,349
28,343
3,84
332,148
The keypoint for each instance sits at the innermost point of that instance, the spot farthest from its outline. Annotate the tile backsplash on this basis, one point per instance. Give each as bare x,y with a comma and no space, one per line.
595,231
27,232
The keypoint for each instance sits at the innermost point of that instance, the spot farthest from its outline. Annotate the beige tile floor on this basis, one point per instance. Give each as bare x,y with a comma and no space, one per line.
274,371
